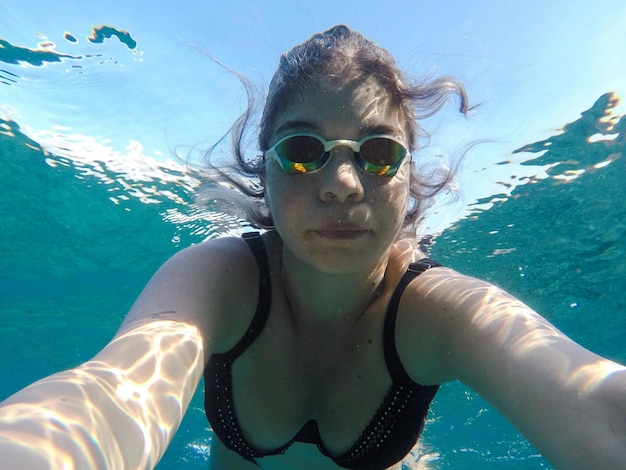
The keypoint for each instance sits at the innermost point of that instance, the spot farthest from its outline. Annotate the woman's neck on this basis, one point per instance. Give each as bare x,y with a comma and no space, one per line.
319,297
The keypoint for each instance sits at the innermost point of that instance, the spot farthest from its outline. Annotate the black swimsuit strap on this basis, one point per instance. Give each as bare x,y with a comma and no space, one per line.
394,365
264,302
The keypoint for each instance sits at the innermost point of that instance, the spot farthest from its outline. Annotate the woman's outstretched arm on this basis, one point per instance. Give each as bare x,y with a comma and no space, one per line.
120,409
567,401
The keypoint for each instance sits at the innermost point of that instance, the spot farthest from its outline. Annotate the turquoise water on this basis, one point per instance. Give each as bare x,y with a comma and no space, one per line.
83,232
81,239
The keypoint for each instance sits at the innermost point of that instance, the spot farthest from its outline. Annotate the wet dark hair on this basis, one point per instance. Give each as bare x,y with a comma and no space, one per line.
342,54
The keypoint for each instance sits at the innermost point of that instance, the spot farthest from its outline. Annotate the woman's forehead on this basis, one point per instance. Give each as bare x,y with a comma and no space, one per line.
346,87
363,103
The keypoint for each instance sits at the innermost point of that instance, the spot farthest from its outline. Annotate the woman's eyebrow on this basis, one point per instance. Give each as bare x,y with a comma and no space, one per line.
371,129
297,125
366,129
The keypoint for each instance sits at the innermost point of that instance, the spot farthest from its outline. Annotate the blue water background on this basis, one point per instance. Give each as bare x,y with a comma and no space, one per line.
83,234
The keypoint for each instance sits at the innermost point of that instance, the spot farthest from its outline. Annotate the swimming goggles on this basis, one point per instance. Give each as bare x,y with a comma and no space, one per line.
305,152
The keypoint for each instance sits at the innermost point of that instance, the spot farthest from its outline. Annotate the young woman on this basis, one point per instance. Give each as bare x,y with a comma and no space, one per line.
322,341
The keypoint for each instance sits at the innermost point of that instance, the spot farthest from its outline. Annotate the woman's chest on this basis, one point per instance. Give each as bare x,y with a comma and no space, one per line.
286,378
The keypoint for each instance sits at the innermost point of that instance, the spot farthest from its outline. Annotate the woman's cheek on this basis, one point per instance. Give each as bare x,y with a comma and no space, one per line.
286,201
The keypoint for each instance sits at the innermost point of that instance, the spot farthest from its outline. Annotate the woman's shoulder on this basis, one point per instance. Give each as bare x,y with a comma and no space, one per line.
210,285
215,260
235,249
215,248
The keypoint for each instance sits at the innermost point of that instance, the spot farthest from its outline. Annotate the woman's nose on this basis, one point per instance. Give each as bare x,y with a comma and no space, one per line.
340,180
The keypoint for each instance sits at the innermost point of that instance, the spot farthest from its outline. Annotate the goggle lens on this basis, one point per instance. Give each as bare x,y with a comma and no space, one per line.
300,149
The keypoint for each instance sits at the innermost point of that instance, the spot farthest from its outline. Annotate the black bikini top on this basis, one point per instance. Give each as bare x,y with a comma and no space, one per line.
392,432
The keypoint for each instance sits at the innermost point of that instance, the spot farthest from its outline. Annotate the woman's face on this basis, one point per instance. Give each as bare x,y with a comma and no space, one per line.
339,219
